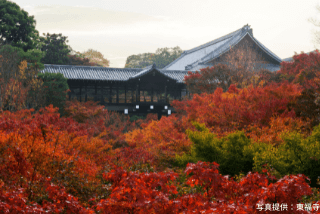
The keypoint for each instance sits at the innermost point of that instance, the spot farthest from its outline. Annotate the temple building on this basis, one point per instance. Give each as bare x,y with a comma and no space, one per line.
216,51
126,90
150,90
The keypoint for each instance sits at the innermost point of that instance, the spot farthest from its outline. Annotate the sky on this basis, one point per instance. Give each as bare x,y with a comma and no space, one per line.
120,28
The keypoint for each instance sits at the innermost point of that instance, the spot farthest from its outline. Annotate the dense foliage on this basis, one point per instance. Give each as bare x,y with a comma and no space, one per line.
93,56
55,88
162,57
79,61
55,48
19,86
17,28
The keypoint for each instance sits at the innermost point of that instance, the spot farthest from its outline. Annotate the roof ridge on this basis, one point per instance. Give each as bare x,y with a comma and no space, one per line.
215,41
207,44
221,50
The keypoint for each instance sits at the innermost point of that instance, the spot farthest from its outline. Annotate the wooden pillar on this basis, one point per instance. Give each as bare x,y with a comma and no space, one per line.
144,96
139,92
152,94
70,93
137,96
110,94
165,94
80,92
117,93
125,93
176,93
86,98
101,98
95,92
132,93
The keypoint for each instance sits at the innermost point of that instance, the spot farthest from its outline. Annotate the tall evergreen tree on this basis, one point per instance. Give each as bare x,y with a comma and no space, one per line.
17,28
55,48
56,88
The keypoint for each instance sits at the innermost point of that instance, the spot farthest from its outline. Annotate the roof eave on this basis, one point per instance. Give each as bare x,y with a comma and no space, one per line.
235,43
266,50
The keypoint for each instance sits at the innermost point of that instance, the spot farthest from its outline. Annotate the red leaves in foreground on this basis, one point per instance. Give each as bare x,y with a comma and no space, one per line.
15,201
132,192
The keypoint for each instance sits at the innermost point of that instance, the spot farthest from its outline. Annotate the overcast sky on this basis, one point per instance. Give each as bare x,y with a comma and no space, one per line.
120,28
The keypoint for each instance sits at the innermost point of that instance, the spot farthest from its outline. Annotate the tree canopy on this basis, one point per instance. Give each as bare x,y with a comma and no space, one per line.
56,88
17,28
55,48
80,61
162,57
90,56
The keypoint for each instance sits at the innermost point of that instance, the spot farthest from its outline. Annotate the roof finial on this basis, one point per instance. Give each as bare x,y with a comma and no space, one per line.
154,65
246,27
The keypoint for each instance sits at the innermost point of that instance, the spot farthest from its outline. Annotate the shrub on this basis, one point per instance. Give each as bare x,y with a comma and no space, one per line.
56,89
234,153
296,155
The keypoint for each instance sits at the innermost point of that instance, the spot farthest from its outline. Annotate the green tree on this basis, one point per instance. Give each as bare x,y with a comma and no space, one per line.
139,60
234,153
56,89
94,56
16,27
162,57
55,48
75,59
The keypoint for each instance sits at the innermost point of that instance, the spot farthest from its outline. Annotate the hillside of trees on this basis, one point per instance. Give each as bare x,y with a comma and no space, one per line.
248,143
230,150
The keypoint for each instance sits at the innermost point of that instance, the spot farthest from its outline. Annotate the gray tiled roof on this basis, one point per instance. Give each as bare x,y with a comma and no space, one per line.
143,72
109,74
194,58
175,74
